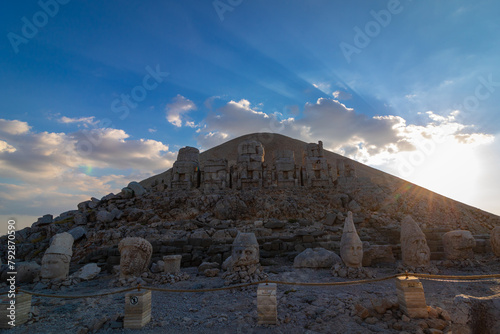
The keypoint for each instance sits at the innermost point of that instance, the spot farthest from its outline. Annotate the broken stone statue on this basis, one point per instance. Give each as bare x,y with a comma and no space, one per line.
243,265
135,254
415,253
351,252
55,261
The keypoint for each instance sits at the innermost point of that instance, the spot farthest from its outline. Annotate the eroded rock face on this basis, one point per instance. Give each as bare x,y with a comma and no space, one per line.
495,240
55,262
414,249
351,247
135,254
459,245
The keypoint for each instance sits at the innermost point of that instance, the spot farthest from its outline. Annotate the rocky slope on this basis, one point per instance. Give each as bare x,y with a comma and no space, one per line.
201,226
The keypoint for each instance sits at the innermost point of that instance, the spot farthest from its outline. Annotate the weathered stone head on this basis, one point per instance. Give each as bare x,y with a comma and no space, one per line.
135,254
351,247
245,250
414,249
459,245
495,240
55,261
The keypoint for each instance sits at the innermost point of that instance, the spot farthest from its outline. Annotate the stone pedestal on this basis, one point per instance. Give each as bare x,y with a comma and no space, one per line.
267,306
411,297
137,309
172,264
22,308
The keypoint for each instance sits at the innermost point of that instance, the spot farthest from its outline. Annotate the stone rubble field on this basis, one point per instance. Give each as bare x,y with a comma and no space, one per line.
366,308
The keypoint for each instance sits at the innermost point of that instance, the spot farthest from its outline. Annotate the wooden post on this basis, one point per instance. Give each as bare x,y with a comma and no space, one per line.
267,306
411,297
19,311
137,309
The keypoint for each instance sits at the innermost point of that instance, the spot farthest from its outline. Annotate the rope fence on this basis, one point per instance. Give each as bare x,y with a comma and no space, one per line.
138,299
444,278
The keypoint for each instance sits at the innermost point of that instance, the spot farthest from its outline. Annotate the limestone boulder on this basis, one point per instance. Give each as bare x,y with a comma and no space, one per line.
127,193
207,265
495,240
104,216
77,232
316,258
459,245
87,272
136,188
27,272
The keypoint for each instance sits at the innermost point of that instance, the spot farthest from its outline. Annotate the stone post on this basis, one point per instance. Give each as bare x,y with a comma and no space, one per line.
267,306
22,308
411,297
172,264
137,309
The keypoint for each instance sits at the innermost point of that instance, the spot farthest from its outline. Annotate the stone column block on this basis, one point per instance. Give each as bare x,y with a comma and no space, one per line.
267,305
411,297
137,309
22,308
172,264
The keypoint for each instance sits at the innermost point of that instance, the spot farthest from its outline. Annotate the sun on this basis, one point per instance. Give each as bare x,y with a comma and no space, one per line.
451,170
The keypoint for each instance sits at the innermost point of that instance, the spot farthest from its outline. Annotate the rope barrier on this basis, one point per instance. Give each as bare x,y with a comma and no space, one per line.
445,278
77,296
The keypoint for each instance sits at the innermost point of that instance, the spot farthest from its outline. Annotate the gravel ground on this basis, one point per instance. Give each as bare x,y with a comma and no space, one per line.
300,309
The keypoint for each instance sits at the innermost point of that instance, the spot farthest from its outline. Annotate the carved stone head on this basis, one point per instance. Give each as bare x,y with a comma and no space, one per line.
55,261
459,245
135,254
245,250
414,249
55,266
351,247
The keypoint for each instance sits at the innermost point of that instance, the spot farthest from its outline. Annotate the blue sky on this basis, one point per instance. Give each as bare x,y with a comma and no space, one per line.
96,94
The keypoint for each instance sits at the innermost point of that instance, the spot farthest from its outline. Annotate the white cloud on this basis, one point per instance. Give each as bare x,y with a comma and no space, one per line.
84,120
5,147
152,130
341,95
52,171
14,127
374,140
178,108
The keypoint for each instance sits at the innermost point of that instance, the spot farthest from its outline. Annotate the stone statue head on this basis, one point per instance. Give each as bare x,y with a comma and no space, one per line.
351,247
245,250
55,261
459,245
414,249
135,254
55,266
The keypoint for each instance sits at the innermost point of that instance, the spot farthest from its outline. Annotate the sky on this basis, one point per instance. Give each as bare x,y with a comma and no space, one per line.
97,94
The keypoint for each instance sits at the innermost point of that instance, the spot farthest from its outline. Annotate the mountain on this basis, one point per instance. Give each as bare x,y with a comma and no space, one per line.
391,193
201,225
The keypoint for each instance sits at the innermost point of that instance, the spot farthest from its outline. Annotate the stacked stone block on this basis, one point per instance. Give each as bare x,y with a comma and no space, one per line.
267,306
411,297
137,309
22,308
